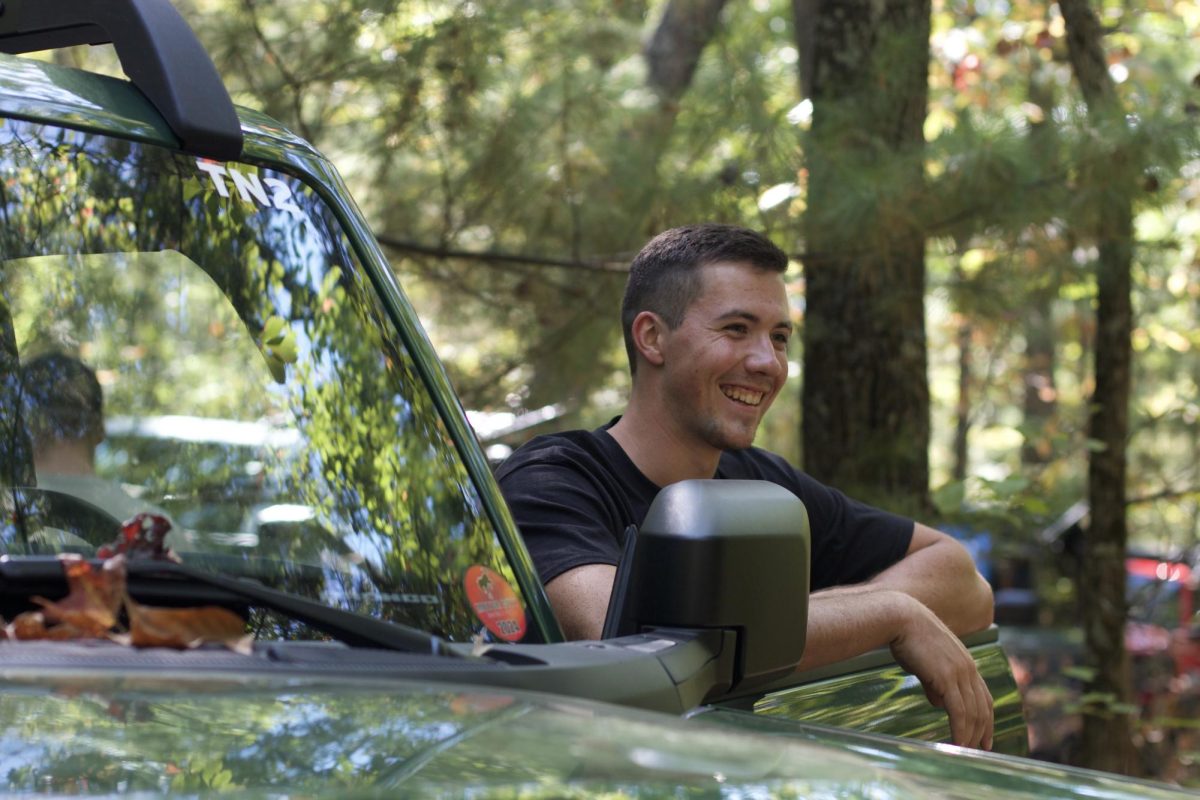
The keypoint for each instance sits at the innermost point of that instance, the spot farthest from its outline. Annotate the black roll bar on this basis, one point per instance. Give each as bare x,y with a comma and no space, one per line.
158,51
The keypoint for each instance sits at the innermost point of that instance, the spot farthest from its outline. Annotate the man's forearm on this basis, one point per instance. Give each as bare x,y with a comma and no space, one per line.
851,620
942,576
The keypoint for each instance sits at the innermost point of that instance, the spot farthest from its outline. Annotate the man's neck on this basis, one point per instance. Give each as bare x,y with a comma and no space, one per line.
71,457
659,450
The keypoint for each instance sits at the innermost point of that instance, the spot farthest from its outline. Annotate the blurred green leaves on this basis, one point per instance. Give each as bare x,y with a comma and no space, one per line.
279,347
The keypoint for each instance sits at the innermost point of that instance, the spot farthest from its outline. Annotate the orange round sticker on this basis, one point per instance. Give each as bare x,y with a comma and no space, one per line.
495,603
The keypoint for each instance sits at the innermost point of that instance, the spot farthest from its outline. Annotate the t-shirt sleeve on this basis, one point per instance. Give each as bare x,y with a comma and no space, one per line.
851,541
561,517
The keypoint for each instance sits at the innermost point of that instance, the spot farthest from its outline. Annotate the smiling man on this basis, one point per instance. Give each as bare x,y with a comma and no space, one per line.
707,326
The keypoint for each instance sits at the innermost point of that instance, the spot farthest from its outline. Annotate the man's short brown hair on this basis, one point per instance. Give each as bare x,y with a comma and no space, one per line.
665,276
63,400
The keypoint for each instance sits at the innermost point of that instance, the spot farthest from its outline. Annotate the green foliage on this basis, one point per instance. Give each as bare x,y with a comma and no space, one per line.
1101,704
1079,673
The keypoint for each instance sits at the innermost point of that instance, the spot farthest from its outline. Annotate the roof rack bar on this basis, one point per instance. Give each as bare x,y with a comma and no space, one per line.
158,52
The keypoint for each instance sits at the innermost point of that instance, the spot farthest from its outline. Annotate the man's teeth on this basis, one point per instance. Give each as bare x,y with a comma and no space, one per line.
743,395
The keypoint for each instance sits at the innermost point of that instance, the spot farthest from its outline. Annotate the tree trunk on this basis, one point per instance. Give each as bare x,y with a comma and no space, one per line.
1041,394
865,399
1040,402
674,50
1107,731
672,54
962,407
962,410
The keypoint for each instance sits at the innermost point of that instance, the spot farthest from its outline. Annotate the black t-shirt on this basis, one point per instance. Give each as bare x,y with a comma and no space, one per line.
573,495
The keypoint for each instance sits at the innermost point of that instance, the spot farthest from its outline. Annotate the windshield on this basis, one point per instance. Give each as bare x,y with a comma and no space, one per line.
198,340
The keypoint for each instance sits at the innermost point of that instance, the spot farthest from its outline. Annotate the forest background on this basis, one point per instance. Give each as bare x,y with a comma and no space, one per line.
993,208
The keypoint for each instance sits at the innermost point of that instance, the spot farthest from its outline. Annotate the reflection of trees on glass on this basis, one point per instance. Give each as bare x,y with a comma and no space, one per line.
215,295
323,740
314,743
16,460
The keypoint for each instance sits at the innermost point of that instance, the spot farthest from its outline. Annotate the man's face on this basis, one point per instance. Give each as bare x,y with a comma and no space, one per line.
727,360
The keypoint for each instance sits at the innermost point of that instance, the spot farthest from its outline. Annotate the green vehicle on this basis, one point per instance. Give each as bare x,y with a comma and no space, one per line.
196,323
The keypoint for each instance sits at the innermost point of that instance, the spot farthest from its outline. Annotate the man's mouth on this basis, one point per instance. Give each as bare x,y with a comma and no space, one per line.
742,395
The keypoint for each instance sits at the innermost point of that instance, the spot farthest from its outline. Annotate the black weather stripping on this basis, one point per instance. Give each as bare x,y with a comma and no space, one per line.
158,51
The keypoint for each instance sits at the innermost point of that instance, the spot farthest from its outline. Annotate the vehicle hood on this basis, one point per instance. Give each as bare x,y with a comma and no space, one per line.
276,736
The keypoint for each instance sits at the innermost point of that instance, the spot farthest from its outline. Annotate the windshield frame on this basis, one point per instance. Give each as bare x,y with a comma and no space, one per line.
319,175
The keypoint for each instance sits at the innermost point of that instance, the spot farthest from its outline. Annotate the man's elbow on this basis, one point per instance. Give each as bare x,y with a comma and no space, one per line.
983,605
976,604
978,607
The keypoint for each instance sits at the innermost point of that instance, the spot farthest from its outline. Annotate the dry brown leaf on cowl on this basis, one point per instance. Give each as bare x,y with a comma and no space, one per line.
31,626
93,598
28,625
180,628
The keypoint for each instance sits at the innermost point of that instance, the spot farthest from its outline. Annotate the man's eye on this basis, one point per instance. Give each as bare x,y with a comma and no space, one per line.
782,339
736,328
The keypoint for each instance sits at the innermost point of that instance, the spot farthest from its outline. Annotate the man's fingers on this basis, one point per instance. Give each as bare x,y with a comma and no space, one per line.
983,699
950,678
984,715
969,731
960,721
979,703
968,704
988,715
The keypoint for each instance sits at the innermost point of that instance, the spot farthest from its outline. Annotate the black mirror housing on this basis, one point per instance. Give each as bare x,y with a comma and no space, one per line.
725,554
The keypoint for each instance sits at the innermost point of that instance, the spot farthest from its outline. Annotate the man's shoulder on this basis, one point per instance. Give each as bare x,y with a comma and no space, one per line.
561,448
754,463
757,464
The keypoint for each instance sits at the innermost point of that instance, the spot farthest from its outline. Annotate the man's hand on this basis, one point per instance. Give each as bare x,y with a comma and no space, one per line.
928,649
850,620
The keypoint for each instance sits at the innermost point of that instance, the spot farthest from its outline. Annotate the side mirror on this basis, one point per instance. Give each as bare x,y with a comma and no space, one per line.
723,554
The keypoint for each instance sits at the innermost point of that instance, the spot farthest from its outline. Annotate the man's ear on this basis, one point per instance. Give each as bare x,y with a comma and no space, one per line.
648,332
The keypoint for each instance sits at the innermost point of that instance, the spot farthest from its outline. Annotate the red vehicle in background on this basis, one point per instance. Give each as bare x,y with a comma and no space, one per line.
1046,651
1162,607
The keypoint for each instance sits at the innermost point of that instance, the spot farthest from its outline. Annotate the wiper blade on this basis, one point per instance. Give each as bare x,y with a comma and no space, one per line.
353,629
34,575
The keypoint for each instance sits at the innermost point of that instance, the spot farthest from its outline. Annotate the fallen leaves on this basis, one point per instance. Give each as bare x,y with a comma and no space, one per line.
32,625
150,626
95,598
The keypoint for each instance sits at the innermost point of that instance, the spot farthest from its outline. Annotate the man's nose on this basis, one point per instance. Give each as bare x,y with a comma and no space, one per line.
763,358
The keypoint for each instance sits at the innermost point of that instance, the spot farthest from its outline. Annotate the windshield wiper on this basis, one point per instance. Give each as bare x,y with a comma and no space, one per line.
353,629
43,575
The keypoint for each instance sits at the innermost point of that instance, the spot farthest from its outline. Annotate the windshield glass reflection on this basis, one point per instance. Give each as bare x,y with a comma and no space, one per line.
197,339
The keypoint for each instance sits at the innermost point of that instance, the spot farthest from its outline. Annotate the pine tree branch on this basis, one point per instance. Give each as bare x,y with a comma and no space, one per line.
296,86
1164,494
493,257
